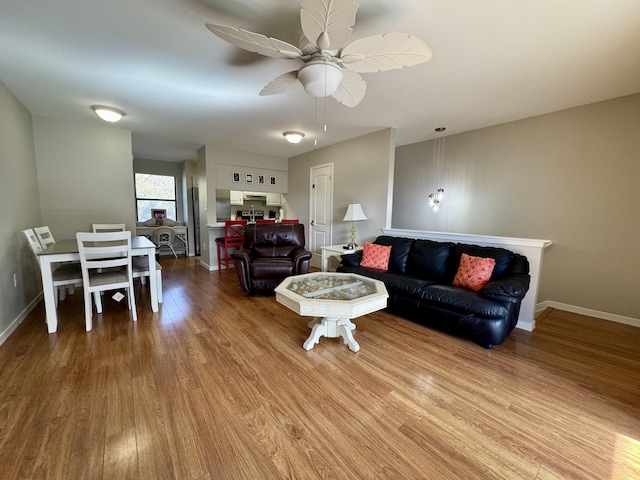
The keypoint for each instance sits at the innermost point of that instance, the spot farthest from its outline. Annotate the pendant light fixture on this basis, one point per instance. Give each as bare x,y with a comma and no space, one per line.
438,157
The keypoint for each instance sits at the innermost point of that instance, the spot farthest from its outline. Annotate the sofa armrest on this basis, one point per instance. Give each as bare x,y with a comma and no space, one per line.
511,288
351,259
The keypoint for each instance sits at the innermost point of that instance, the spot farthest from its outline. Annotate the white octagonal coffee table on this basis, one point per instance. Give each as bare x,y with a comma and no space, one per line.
335,297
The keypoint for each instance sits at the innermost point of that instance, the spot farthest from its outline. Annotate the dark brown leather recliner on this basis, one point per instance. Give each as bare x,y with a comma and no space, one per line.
269,254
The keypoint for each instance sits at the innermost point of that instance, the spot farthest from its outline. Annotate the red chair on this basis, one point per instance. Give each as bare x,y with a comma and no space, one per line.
290,220
266,220
233,238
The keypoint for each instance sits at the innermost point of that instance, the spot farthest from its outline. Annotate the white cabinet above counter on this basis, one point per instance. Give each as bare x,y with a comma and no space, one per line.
236,197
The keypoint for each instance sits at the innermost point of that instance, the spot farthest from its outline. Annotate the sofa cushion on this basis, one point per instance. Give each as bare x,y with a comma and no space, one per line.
262,268
428,259
366,272
474,272
375,256
463,300
502,256
404,284
400,248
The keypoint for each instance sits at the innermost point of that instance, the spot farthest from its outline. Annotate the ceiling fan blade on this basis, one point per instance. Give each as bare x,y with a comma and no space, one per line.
255,42
328,23
281,84
389,51
352,89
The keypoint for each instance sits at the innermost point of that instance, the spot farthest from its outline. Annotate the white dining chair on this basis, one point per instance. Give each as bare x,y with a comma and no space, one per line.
44,236
141,270
163,237
108,227
109,252
66,275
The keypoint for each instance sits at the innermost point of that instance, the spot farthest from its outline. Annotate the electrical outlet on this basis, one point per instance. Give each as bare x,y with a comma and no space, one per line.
15,280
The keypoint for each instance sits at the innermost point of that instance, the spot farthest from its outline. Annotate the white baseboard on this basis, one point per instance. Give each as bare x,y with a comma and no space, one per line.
612,317
19,319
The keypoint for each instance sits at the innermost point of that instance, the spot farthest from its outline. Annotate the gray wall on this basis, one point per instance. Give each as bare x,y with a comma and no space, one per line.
362,168
20,198
572,177
85,175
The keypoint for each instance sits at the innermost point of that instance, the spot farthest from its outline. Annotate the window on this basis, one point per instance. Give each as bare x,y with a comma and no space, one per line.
155,191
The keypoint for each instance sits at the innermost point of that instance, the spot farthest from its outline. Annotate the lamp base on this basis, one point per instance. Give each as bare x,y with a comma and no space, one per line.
350,246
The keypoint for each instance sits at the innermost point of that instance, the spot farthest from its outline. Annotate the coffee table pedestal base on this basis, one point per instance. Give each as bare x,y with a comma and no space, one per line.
331,327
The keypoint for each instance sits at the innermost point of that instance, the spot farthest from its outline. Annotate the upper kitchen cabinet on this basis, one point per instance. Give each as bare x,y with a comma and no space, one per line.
236,197
274,199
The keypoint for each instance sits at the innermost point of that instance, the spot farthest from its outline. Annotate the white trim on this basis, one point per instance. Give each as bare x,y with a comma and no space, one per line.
612,317
19,319
468,237
207,266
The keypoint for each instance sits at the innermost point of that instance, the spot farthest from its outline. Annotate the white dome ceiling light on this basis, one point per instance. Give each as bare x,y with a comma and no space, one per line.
108,114
293,137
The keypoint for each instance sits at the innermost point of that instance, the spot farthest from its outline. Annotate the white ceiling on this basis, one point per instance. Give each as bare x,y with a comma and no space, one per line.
493,61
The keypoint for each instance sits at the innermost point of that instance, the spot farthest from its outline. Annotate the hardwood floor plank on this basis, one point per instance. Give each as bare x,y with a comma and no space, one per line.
216,385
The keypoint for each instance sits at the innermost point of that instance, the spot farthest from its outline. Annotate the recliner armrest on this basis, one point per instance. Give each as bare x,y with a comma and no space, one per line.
298,256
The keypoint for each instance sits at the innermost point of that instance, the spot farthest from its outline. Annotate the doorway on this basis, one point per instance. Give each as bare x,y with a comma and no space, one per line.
321,210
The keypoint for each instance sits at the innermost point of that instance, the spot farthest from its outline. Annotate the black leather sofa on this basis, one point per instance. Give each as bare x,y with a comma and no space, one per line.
270,252
420,285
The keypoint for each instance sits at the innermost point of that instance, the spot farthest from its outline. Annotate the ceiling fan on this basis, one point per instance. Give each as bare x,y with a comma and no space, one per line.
331,65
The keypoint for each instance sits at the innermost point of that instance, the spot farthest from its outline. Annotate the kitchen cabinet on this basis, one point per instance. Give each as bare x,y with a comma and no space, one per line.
235,197
274,199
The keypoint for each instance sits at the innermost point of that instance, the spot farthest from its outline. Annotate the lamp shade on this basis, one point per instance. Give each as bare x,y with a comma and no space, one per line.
354,213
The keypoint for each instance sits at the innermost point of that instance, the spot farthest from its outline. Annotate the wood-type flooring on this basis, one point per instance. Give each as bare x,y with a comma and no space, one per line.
216,385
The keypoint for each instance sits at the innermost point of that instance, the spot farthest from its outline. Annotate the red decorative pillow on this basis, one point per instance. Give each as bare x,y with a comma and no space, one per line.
376,256
474,272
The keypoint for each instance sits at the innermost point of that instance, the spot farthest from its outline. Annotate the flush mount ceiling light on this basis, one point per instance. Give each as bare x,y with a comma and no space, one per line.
108,114
293,137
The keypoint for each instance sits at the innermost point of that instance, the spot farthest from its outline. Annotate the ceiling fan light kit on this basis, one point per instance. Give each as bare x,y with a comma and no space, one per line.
320,78
293,137
331,65
108,114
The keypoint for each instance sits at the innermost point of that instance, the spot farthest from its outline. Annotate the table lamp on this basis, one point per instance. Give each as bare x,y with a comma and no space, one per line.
354,214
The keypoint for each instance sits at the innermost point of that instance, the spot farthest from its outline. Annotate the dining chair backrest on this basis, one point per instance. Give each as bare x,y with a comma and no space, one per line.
105,259
104,250
44,236
108,227
265,220
295,220
63,275
36,246
163,237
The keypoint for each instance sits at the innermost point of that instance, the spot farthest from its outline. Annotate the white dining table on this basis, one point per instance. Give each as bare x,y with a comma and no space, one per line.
67,250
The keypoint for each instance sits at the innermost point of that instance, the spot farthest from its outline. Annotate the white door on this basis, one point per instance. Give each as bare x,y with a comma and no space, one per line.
321,214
